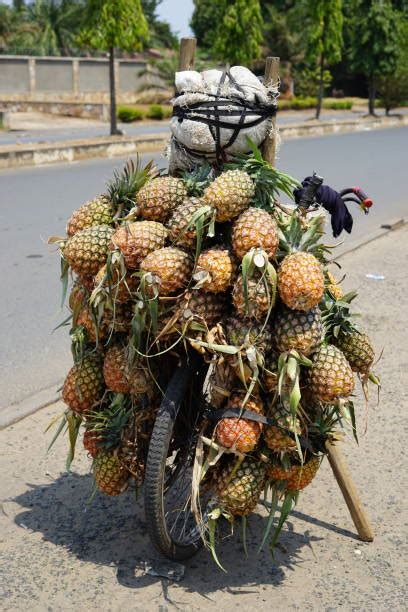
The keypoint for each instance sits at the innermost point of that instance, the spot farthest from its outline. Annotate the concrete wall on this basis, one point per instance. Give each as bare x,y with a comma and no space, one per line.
34,75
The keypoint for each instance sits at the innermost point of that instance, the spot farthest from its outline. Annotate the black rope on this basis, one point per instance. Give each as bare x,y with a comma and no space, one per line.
209,113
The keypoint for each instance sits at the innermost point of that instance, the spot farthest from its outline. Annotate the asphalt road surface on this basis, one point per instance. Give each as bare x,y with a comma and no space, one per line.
35,203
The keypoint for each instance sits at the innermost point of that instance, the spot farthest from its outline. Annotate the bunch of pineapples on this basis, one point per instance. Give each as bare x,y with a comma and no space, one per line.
214,260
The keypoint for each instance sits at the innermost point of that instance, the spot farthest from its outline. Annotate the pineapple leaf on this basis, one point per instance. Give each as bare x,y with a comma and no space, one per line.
64,280
286,509
271,517
74,423
212,522
61,426
244,538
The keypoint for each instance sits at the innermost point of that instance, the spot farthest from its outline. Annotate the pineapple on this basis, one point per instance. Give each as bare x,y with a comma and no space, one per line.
169,269
91,441
238,432
118,318
103,209
300,281
239,485
84,386
276,437
259,298
204,306
241,331
215,270
116,285
357,348
98,211
86,252
94,331
115,368
230,193
299,330
140,382
110,474
78,296
182,230
255,228
136,240
330,377
159,197
297,477
86,281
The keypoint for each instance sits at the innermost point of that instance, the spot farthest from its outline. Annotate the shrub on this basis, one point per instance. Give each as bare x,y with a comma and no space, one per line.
338,104
127,114
156,111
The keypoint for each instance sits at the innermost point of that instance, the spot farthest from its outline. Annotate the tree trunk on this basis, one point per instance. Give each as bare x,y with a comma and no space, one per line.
371,96
320,92
112,87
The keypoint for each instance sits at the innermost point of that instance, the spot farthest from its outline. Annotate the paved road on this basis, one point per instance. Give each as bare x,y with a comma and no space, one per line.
35,203
50,133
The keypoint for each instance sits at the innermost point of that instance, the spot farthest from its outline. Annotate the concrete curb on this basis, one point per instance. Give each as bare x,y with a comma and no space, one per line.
16,412
36,154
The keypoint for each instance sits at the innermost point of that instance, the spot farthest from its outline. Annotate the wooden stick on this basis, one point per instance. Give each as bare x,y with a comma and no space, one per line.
187,53
349,492
271,78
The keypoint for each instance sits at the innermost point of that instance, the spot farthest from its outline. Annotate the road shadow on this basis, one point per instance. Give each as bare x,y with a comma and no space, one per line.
112,531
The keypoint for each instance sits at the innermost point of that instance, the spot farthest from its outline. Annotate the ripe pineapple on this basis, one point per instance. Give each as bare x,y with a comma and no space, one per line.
110,474
159,197
239,486
297,477
330,376
357,348
118,318
204,306
300,281
241,331
84,386
299,330
78,297
238,432
118,198
255,228
276,436
94,331
140,381
182,231
87,250
258,298
136,240
215,270
230,193
98,211
91,441
115,369
170,269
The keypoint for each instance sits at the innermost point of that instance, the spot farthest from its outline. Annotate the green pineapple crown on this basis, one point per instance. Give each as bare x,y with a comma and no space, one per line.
298,234
124,186
337,317
269,181
108,422
198,179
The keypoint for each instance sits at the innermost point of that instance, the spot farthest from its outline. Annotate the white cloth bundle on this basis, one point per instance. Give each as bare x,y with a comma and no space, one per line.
214,114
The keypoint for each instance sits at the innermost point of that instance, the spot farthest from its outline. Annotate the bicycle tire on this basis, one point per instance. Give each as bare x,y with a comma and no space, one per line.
156,465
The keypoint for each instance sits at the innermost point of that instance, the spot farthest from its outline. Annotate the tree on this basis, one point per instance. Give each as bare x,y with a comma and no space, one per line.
374,42
238,34
110,25
55,25
160,33
393,87
324,40
204,21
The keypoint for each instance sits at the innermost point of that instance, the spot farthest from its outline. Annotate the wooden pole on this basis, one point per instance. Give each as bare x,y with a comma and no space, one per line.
271,78
349,492
187,53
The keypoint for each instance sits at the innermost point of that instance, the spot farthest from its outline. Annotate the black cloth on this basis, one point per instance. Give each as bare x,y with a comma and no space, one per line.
331,200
